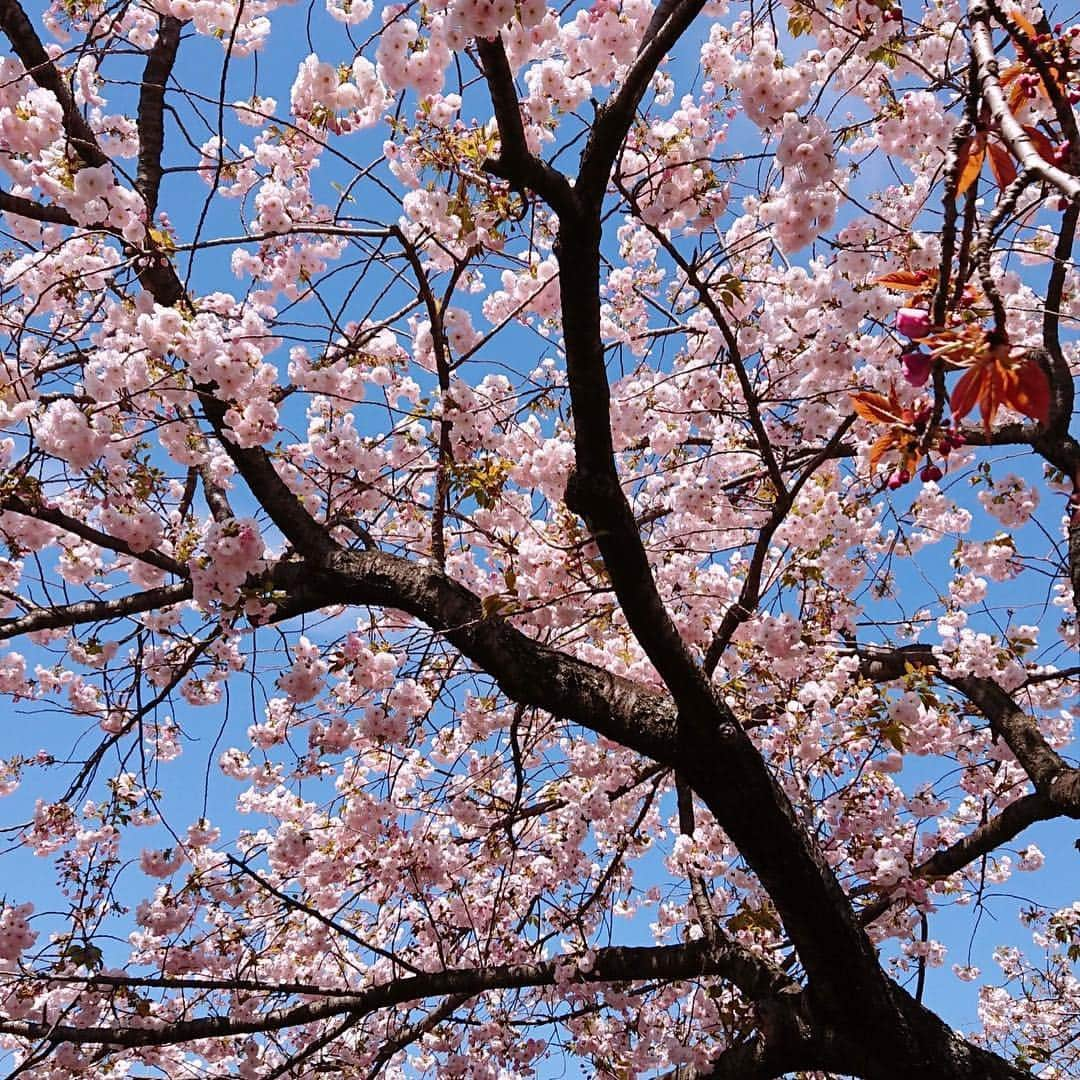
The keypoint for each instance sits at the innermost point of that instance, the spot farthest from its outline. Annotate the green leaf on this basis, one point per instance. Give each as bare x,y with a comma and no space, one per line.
86,955
799,21
894,735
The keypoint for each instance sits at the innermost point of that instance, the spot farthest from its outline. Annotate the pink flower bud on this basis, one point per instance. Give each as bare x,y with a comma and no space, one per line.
917,367
930,473
913,322
898,479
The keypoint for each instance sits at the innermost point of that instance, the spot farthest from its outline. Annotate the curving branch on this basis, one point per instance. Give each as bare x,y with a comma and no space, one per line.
714,755
1048,770
1012,131
157,273
731,341
90,611
614,964
13,504
516,163
1061,382
1019,730
1006,826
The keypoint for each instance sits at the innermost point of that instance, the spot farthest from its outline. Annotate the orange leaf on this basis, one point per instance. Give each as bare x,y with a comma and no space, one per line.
995,383
997,387
1030,394
1012,73
966,392
1022,21
1040,142
970,162
881,447
1017,97
876,409
909,455
905,280
1001,164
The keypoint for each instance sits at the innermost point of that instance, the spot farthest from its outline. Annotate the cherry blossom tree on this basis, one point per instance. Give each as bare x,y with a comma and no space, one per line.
538,537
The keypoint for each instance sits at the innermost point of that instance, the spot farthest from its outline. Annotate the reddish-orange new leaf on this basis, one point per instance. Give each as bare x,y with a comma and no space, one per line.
907,280
971,156
983,385
877,409
996,378
1001,164
882,445
1041,143
1022,21
904,424
1031,395
1024,24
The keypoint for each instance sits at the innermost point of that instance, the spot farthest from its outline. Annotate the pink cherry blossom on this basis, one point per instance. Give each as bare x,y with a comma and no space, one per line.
538,537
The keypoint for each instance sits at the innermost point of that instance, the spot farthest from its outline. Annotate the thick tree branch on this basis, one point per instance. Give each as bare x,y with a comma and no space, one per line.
706,745
89,611
516,163
53,516
1012,131
159,65
1043,764
27,208
670,21
306,535
1061,382
709,746
615,964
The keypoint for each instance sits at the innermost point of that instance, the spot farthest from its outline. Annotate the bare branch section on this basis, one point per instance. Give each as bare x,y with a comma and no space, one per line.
27,208
90,611
670,21
516,162
159,65
1048,770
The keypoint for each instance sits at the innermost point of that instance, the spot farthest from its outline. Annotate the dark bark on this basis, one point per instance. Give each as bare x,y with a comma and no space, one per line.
159,65
27,208
616,964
